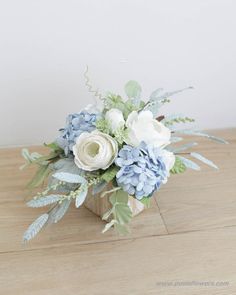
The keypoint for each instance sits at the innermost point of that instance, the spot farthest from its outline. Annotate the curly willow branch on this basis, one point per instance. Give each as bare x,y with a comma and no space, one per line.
90,87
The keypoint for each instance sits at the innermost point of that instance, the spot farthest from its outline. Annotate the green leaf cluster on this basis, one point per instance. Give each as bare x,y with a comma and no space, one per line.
121,134
103,125
126,107
133,89
114,101
120,211
110,173
30,158
43,162
38,179
179,166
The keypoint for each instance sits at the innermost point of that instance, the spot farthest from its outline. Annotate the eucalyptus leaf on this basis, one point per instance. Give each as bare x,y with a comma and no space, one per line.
44,160
182,147
155,95
59,211
69,177
190,164
35,227
153,107
201,133
80,198
121,210
119,196
171,93
44,201
133,89
121,229
175,139
67,165
204,160
156,102
53,146
39,177
123,213
30,158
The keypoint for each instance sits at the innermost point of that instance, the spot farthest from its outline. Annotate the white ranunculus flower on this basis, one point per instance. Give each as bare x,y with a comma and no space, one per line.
143,127
115,118
95,150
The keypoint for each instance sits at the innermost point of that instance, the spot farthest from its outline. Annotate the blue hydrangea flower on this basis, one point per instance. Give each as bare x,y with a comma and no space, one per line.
75,125
142,170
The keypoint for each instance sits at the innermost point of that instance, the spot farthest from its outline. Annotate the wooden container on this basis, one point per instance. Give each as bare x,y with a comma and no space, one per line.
99,205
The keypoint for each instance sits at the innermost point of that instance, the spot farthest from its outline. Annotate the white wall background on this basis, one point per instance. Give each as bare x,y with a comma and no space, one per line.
45,46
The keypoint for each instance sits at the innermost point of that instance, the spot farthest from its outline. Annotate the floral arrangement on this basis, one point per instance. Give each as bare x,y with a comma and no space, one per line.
126,145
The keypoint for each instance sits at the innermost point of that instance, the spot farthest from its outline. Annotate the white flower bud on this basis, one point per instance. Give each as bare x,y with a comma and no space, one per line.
115,118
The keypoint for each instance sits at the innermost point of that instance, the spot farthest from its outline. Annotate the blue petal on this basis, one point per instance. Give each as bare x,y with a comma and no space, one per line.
148,189
140,186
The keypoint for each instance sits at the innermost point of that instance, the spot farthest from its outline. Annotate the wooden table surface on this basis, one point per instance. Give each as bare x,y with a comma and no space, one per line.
184,244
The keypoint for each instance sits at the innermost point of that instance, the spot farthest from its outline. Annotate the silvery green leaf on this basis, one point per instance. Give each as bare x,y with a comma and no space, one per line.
119,196
97,188
35,227
109,225
69,177
67,165
204,160
120,208
123,213
133,89
80,198
41,174
203,134
168,94
121,228
156,101
153,106
59,211
175,139
183,147
30,158
156,94
44,201
190,164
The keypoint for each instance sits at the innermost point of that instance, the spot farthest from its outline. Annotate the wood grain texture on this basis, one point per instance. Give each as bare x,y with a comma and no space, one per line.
205,199
135,266
189,235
